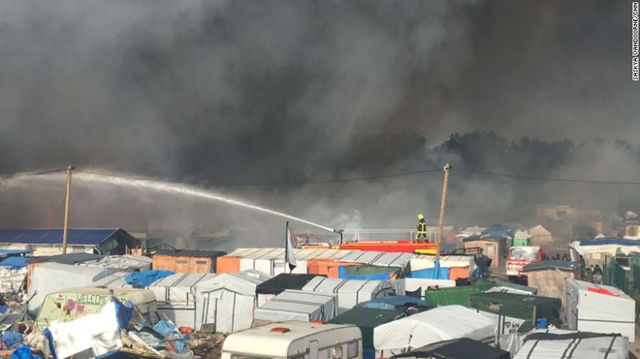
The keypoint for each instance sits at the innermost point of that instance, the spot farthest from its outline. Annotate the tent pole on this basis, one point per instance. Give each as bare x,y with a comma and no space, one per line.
444,199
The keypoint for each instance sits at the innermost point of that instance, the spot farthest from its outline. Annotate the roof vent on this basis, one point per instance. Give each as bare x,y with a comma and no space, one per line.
280,330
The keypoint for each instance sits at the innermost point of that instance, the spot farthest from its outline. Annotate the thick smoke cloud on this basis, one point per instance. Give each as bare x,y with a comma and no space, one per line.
278,91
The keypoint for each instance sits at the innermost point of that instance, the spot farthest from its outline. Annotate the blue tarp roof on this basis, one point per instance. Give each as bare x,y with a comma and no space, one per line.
393,301
16,262
504,230
54,236
609,241
13,252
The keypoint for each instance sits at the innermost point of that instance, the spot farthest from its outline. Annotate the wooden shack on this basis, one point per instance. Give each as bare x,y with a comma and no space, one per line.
549,277
186,261
494,247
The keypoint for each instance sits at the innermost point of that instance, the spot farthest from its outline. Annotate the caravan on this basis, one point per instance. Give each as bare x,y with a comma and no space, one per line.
295,340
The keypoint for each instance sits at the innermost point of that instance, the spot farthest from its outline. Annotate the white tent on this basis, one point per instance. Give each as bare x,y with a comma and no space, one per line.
176,296
556,343
383,259
426,261
350,292
114,280
226,303
54,277
298,305
442,323
404,285
590,311
125,263
540,236
270,261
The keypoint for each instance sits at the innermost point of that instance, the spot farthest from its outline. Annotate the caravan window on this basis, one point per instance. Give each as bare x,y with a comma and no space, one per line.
182,261
352,350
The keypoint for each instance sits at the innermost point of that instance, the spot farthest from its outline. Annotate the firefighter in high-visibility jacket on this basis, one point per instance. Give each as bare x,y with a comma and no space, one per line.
422,228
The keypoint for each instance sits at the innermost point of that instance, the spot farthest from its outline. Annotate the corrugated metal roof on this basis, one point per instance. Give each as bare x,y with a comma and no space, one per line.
71,258
189,253
87,237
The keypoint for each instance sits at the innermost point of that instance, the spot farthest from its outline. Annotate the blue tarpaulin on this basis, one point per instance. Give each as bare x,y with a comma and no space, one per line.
390,303
11,340
436,272
146,278
609,241
14,262
14,252
501,231
379,276
124,312
24,353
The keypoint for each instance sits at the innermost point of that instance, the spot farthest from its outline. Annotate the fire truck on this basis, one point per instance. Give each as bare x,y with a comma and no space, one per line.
519,257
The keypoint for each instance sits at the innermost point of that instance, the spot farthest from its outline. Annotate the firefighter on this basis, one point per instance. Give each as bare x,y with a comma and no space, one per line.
422,228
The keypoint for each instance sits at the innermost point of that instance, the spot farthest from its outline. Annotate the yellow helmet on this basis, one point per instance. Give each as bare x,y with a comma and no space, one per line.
420,216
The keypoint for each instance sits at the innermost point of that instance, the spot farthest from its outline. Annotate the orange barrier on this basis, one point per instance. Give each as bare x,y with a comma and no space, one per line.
328,267
456,273
228,264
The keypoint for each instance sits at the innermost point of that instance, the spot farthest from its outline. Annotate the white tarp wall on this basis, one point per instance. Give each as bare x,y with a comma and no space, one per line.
425,261
176,296
54,277
442,323
123,263
114,280
589,311
12,278
270,261
404,285
350,292
382,259
298,305
226,303
592,348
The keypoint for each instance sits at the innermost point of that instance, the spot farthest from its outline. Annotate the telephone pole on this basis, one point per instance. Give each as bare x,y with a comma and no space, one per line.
444,199
66,210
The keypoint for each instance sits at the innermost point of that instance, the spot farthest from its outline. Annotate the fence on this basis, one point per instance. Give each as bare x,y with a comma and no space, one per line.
625,278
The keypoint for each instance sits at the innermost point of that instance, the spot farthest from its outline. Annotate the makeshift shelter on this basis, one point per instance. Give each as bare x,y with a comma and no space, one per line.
350,292
527,307
327,267
517,287
599,309
70,259
176,296
114,280
231,263
462,348
397,302
419,262
522,238
379,259
370,272
53,277
298,305
226,303
73,303
442,323
278,284
546,344
186,261
123,263
417,286
367,319
540,236
456,295
493,246
549,276
270,261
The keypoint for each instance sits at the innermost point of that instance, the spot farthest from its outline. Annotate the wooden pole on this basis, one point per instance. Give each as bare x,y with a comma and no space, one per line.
444,199
286,247
66,210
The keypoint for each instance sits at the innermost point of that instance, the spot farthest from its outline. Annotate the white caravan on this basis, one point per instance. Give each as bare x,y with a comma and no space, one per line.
295,340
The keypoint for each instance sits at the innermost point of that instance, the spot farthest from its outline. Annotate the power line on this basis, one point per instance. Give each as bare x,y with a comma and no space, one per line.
551,179
265,184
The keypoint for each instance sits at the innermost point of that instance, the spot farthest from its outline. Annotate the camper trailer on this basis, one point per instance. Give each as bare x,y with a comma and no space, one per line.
295,340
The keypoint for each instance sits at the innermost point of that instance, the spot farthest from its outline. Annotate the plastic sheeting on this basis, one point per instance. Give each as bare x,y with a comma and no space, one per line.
455,295
54,277
395,302
226,303
367,319
442,323
146,278
428,261
299,305
97,331
350,292
545,344
380,259
369,272
125,263
599,313
11,278
462,348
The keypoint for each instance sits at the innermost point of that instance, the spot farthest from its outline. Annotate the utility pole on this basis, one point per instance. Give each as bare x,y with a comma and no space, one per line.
444,199
66,210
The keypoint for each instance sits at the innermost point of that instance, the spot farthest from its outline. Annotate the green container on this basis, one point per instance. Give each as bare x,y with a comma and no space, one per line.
456,295
366,319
